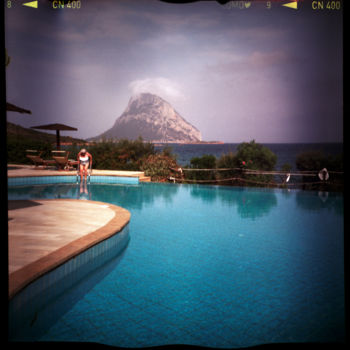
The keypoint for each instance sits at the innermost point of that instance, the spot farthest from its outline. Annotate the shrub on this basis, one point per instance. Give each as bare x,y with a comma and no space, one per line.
207,161
158,166
254,156
250,155
316,161
16,150
286,167
73,150
121,155
311,160
168,151
227,161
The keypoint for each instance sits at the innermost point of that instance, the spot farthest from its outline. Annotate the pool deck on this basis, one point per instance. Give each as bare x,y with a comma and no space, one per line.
43,234
15,170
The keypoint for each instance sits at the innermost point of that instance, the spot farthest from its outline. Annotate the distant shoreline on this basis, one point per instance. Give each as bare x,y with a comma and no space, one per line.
188,143
156,143
237,143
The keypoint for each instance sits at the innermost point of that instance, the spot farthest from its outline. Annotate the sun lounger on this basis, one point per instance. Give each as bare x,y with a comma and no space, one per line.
62,160
35,157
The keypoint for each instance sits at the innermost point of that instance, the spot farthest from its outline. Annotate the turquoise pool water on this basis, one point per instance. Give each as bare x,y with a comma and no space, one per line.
210,266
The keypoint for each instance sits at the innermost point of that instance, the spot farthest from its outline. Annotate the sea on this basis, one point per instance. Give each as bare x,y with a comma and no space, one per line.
285,152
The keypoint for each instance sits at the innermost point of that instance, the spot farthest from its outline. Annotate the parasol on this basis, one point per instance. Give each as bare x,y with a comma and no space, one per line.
12,108
56,127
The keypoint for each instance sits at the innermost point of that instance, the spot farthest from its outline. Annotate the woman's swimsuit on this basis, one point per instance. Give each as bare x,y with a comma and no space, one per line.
84,160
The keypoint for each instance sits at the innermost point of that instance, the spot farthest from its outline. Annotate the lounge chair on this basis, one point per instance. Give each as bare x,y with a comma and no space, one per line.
35,157
62,160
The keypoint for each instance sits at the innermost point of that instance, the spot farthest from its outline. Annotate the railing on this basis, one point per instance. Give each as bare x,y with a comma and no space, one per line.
323,175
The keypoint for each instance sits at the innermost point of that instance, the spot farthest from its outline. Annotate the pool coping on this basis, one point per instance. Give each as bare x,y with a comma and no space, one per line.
28,273
23,171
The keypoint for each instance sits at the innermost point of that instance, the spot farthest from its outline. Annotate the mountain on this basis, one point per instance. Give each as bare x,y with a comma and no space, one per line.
154,119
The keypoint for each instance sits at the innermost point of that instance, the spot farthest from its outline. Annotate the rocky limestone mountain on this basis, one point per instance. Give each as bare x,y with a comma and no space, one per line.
154,119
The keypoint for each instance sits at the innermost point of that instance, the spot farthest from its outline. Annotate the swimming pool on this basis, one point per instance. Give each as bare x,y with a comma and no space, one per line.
211,266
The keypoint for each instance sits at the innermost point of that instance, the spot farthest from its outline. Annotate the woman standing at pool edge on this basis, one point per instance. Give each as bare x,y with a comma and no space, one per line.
85,162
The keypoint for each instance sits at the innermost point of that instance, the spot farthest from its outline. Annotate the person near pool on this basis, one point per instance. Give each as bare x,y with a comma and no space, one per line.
85,162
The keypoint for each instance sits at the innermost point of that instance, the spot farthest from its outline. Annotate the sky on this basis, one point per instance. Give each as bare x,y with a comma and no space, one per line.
273,75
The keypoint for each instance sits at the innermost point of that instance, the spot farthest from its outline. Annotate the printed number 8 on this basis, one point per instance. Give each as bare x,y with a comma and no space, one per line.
9,3
268,5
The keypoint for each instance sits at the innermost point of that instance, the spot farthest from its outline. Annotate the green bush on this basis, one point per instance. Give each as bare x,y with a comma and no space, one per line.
207,161
16,150
315,161
254,156
168,151
286,167
228,161
158,166
121,155
249,155
311,160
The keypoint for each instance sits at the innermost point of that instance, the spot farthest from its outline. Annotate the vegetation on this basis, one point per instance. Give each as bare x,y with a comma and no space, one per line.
121,155
158,166
254,156
138,155
16,150
207,161
286,167
249,156
317,160
312,160
19,139
227,161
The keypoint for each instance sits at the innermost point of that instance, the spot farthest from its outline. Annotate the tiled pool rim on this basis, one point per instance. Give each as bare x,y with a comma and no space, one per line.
21,278
56,179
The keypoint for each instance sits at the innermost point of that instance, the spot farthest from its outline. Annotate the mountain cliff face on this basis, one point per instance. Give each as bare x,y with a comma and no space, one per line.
154,119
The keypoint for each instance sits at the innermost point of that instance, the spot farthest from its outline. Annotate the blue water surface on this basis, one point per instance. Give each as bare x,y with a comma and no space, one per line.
212,266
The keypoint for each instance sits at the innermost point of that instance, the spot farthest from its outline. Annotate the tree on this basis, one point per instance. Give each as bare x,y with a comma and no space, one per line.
227,161
207,161
249,156
255,156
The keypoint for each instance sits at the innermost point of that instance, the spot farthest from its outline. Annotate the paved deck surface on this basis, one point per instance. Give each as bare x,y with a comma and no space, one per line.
45,233
14,170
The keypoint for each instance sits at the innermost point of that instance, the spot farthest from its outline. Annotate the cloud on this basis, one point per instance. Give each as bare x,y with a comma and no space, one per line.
265,59
160,86
230,65
169,40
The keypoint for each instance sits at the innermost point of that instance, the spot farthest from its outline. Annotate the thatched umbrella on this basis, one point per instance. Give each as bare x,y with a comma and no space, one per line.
56,127
12,108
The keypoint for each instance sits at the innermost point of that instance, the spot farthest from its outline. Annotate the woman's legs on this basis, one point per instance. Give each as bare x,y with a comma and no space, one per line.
83,171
